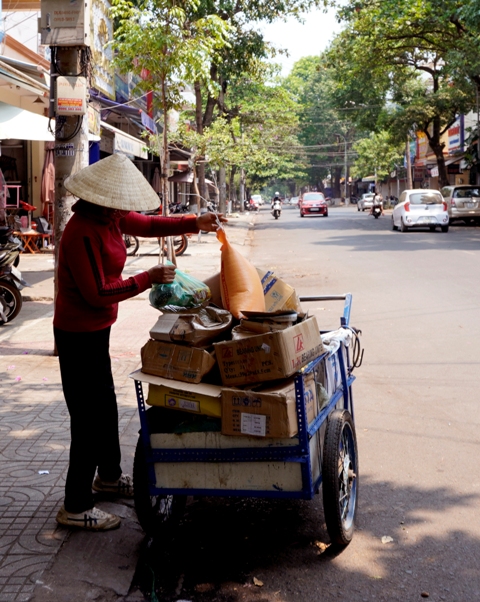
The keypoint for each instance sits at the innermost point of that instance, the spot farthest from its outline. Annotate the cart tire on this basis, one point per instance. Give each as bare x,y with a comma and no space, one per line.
131,244
155,513
340,477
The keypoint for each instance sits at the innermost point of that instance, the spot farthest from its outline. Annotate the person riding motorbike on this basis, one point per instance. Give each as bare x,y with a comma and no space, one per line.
377,202
276,198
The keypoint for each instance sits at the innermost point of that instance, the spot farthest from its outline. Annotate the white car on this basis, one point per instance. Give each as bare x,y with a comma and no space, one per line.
366,202
293,200
420,208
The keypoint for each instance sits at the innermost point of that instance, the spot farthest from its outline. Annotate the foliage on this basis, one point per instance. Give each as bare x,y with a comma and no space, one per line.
427,67
377,154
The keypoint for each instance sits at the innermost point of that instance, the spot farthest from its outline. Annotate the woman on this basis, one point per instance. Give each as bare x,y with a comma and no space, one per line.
91,258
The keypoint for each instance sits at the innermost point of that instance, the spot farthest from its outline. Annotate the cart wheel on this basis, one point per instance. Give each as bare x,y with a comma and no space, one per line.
340,477
155,513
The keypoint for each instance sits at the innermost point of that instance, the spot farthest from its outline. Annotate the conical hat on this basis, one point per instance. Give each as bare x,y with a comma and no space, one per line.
113,182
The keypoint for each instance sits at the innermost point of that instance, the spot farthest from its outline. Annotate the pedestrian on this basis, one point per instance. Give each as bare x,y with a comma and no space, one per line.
91,259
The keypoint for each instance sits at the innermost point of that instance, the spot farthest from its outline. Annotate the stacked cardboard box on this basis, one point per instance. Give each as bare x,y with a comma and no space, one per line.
254,392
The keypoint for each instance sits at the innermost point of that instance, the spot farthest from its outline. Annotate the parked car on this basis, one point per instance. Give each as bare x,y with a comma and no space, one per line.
420,208
463,202
313,203
365,201
257,198
293,200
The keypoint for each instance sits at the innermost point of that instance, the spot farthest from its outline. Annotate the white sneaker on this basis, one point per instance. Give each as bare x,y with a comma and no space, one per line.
92,520
122,487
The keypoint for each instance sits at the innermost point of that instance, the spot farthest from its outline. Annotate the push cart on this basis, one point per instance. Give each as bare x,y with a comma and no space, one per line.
170,467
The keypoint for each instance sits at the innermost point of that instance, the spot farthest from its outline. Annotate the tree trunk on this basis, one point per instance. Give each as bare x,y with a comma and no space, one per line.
434,140
222,190
202,188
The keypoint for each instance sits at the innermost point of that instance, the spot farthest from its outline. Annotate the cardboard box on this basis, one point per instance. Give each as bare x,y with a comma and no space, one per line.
187,364
270,356
268,412
278,294
188,397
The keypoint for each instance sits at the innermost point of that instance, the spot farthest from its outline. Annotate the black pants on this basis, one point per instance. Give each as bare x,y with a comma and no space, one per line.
89,391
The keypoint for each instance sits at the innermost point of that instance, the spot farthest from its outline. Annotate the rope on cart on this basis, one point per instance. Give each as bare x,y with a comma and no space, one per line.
357,350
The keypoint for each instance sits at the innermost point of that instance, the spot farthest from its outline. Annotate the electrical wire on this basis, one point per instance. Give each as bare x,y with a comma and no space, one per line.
357,350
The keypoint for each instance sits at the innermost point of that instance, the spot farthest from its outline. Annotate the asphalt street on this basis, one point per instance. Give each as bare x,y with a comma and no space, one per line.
415,298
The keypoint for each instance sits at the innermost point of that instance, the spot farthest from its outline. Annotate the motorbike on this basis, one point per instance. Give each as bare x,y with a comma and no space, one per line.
276,209
11,281
8,239
252,205
376,211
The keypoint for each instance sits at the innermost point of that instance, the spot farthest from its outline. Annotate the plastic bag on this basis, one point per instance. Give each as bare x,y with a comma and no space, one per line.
185,292
240,283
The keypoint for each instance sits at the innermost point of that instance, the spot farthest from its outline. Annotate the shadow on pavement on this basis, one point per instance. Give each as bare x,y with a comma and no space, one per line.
223,543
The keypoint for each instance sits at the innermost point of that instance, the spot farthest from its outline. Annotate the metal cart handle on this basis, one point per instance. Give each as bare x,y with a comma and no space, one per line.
347,297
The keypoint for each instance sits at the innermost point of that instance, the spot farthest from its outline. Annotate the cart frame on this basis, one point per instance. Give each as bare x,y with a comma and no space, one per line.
341,399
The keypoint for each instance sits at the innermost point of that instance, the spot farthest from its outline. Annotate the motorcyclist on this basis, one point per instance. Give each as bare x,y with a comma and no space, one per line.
276,198
377,202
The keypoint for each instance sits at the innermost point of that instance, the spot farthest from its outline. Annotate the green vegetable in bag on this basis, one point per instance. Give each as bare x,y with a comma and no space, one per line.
185,292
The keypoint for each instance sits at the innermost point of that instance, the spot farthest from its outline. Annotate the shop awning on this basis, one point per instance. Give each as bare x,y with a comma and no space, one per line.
187,177
125,143
21,124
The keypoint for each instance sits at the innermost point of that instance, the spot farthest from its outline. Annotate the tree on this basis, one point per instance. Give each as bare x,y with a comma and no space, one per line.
420,68
158,41
377,155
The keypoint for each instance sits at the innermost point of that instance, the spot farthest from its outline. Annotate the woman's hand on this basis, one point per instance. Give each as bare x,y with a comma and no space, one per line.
207,222
162,274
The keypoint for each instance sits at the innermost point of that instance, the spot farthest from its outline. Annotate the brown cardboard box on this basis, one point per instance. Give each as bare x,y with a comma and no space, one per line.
267,412
270,356
199,398
187,364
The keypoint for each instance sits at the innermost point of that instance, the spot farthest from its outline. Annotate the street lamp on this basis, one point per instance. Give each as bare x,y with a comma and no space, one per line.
347,196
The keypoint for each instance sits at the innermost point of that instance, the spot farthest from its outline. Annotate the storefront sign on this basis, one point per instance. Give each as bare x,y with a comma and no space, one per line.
149,123
455,136
454,168
434,172
93,120
101,31
129,146
418,173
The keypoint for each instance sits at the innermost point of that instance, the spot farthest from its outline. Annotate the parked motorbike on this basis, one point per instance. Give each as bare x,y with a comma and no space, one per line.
252,205
8,239
376,211
11,281
276,209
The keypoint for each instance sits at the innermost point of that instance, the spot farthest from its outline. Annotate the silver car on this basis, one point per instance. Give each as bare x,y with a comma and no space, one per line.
366,202
463,202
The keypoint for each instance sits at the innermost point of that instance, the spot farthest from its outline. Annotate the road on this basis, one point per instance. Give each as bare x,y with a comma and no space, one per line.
416,299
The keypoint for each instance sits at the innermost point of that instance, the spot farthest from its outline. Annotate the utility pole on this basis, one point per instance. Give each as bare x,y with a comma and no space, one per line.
70,71
409,165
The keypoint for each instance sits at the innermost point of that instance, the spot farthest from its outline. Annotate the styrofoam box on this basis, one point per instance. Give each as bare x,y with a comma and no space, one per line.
242,476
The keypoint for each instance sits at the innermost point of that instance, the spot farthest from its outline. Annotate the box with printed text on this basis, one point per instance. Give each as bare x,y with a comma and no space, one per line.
270,356
267,412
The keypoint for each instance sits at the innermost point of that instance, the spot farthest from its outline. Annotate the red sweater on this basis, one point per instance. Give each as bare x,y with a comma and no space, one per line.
91,258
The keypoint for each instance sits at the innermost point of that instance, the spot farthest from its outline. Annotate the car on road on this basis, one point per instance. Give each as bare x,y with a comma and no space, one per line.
293,200
420,208
313,203
365,201
463,202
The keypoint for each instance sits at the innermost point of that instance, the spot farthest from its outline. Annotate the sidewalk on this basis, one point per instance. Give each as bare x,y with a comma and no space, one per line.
40,560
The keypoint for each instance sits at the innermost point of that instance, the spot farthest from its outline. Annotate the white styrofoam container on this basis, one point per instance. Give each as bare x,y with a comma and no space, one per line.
241,476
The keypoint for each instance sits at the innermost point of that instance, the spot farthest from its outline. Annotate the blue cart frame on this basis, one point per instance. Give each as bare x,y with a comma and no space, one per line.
341,400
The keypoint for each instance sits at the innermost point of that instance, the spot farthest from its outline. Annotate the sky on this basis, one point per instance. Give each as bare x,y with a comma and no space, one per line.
302,39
